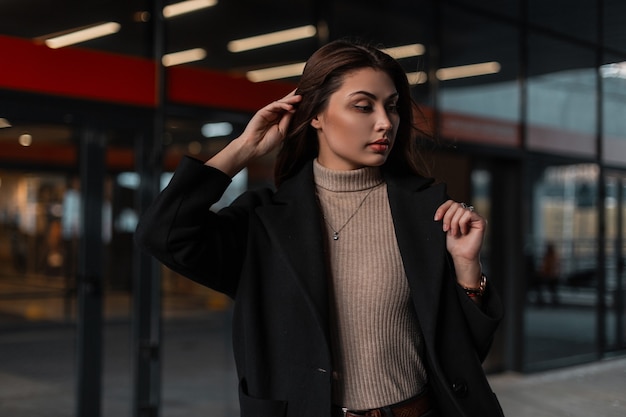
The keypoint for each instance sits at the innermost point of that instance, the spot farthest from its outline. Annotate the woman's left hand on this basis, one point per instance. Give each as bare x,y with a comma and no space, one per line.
465,230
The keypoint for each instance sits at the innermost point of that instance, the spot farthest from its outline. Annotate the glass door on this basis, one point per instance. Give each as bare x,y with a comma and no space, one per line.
560,313
615,207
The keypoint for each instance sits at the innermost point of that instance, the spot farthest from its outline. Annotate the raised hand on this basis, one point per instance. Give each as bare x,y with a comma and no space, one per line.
264,132
268,126
465,230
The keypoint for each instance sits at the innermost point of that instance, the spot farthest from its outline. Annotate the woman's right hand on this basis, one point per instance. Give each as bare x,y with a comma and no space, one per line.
268,126
264,132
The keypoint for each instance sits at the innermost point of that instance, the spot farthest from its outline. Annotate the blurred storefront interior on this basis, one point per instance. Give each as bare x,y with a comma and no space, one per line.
526,97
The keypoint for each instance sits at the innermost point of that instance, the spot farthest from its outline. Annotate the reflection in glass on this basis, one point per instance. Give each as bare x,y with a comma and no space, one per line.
481,183
561,254
481,108
561,104
615,206
37,257
573,18
504,7
613,24
613,75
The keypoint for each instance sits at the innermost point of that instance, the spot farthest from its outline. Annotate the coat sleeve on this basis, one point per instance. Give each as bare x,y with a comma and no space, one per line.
483,319
181,231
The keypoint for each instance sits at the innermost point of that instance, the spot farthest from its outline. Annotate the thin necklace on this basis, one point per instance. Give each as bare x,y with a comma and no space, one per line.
337,231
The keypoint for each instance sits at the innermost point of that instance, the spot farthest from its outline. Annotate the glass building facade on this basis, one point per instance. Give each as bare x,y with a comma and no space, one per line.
527,100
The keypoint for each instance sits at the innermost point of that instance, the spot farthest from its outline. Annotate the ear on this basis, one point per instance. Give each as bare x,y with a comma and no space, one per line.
315,122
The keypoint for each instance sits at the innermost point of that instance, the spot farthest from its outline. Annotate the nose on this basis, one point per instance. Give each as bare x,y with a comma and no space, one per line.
384,122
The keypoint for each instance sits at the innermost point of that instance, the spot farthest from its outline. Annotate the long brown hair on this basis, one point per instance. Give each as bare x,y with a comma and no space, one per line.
323,75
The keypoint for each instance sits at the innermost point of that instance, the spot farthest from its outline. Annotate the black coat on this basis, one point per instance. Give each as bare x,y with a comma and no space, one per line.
266,251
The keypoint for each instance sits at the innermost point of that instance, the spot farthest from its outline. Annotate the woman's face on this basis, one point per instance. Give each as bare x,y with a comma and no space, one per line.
358,126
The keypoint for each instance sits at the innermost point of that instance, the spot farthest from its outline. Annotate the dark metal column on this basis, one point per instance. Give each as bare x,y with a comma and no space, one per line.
516,287
146,319
602,311
90,278
618,297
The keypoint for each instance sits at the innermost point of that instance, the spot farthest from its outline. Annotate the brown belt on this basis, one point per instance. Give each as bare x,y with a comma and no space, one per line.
413,407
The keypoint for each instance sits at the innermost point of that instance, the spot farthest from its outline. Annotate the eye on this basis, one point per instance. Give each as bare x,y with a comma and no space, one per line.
392,107
363,108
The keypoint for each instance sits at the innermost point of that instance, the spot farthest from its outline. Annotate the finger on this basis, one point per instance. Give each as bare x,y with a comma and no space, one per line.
292,93
448,216
462,218
290,98
457,212
279,107
441,210
466,221
273,112
283,124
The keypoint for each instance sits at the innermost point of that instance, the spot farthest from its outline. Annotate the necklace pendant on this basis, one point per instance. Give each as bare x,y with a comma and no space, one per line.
336,236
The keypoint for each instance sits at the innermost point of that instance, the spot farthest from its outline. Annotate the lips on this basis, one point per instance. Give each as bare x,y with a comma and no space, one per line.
381,145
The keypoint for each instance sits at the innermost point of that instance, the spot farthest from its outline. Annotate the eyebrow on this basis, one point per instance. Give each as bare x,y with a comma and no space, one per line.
373,96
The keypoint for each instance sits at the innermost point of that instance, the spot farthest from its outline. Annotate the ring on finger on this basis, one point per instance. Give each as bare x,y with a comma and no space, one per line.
465,206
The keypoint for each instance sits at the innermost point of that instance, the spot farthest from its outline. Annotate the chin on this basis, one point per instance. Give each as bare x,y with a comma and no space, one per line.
376,162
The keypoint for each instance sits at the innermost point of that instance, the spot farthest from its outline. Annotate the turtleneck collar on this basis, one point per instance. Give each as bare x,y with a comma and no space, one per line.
352,180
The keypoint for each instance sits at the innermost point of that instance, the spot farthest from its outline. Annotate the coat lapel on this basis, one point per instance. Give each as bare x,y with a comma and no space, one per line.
294,223
421,241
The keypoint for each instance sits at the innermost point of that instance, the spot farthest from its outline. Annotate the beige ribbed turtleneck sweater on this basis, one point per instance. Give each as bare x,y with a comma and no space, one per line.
375,334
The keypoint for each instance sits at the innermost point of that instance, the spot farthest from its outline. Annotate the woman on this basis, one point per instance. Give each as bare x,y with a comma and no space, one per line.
357,284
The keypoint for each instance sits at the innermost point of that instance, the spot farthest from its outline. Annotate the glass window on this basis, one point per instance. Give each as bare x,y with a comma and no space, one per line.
37,255
397,24
27,19
479,92
560,314
615,206
574,18
213,28
37,261
196,318
510,8
613,25
561,97
613,74
481,184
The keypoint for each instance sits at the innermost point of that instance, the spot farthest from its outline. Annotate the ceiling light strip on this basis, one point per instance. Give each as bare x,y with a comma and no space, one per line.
405,51
464,71
275,73
415,78
295,70
83,35
274,38
419,77
183,57
188,6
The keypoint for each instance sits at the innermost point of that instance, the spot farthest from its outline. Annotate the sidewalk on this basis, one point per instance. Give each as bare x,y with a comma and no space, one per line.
37,377
597,389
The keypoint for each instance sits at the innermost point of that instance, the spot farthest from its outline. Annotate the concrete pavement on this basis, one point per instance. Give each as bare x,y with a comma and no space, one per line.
37,375
596,389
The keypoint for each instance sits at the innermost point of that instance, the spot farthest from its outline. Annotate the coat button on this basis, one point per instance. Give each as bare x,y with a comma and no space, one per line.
459,388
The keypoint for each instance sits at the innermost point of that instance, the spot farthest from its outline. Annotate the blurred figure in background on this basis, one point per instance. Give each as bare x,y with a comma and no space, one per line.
548,275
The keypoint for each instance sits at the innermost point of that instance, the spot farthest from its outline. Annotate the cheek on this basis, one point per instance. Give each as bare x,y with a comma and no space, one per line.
394,130
343,128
